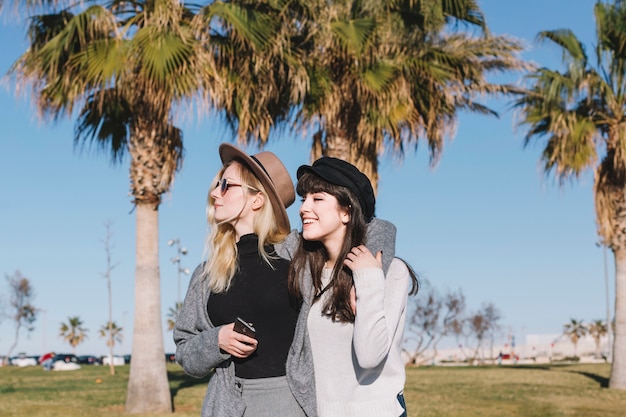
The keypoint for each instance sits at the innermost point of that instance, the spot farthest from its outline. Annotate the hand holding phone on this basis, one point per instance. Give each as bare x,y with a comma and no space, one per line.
231,343
245,328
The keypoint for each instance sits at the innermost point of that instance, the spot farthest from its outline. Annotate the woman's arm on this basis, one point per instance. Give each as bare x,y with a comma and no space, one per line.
380,237
380,305
197,349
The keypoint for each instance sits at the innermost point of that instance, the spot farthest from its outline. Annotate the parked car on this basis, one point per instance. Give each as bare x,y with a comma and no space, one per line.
117,360
65,362
66,357
89,360
22,360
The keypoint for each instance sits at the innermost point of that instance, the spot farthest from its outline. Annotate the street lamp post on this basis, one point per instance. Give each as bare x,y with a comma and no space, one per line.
45,328
608,304
180,251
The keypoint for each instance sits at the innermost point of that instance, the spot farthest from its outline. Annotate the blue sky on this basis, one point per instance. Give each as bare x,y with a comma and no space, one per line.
485,220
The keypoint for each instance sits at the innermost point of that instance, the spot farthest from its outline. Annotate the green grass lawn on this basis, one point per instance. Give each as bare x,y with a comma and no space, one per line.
516,391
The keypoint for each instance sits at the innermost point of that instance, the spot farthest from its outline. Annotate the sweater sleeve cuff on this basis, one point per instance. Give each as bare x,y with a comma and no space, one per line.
369,278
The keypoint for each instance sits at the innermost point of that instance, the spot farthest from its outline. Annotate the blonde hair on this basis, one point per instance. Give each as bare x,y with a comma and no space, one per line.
221,245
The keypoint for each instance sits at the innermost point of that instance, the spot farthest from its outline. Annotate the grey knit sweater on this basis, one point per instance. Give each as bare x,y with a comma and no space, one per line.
196,338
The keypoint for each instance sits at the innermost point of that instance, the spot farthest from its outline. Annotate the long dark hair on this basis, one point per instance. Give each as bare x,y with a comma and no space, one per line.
311,254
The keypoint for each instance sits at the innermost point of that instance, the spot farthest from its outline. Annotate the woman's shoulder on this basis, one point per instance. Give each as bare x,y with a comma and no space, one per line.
197,276
398,269
402,272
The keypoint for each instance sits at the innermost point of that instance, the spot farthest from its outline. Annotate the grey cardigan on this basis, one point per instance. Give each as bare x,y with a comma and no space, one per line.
196,338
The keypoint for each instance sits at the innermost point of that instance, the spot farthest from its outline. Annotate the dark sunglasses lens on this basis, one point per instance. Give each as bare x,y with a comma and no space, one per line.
224,186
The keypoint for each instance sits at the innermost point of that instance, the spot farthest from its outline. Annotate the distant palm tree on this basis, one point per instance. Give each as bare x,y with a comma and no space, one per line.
73,332
597,329
574,330
579,114
172,316
113,334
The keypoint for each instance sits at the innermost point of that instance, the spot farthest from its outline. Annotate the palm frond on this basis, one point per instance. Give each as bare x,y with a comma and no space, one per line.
244,23
354,34
52,65
464,11
571,149
379,76
105,123
101,62
433,15
42,28
162,53
611,29
573,49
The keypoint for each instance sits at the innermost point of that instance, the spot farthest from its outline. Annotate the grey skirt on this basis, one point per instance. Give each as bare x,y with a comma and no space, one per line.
268,397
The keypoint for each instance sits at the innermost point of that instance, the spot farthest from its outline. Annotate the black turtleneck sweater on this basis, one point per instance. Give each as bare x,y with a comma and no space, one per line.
258,294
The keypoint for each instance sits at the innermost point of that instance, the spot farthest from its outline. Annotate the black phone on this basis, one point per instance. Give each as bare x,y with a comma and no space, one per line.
245,328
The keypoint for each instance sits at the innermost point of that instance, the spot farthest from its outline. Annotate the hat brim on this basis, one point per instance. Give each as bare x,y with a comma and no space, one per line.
320,173
229,152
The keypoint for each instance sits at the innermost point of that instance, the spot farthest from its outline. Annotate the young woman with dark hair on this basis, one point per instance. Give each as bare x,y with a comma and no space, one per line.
354,301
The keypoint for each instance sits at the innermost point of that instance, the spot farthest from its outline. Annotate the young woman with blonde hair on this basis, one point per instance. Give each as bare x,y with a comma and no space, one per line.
244,278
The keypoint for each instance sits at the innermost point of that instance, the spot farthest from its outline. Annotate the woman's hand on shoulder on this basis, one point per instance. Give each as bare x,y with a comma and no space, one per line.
236,344
360,257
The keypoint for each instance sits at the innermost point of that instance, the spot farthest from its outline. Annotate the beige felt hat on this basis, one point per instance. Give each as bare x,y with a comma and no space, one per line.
272,174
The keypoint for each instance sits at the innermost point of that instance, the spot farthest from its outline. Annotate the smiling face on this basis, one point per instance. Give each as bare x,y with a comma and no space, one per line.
323,220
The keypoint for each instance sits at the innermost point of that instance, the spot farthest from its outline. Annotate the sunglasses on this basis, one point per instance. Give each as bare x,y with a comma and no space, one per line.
224,185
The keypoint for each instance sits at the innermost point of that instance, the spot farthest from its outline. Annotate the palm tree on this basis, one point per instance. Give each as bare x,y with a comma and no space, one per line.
579,114
597,329
389,73
107,275
363,76
574,330
172,316
73,332
124,67
113,334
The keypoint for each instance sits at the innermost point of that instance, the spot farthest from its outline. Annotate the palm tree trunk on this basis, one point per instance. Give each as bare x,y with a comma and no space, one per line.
148,389
338,146
618,366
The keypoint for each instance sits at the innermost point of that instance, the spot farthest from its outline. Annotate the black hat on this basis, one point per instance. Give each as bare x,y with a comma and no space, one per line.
339,172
